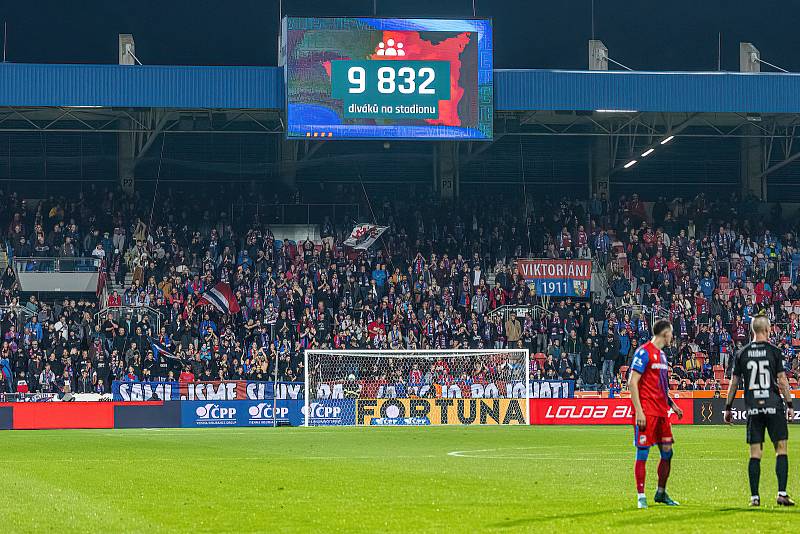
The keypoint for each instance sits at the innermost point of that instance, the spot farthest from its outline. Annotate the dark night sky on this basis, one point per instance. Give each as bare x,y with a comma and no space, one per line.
645,35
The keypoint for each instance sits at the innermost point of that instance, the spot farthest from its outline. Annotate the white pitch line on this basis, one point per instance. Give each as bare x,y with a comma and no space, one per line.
236,458
475,453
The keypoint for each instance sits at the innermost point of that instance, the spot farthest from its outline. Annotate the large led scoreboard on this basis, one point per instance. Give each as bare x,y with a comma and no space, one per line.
362,78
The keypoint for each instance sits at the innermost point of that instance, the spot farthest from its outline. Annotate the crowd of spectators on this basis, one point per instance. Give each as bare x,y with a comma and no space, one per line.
439,278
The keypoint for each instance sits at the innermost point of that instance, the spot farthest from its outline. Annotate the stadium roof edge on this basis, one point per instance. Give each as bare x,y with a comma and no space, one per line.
233,87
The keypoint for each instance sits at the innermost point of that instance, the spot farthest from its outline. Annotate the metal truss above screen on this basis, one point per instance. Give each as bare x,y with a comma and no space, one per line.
228,87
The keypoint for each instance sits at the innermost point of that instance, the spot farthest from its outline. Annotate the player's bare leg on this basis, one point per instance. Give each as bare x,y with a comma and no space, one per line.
782,472
754,472
664,467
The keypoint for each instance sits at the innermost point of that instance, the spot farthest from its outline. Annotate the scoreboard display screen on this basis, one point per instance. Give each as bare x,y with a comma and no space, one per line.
375,78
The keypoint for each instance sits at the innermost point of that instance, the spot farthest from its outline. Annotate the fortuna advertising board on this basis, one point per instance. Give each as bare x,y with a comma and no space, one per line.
391,412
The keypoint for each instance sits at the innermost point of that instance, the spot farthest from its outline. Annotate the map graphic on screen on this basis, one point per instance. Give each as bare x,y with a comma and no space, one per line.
362,78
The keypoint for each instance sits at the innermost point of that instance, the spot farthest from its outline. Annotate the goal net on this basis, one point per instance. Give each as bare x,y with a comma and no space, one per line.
437,387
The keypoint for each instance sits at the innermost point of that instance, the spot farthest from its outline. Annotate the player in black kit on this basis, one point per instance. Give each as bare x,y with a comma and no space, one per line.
760,367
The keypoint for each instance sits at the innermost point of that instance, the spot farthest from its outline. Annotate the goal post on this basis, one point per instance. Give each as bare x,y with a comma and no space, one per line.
417,387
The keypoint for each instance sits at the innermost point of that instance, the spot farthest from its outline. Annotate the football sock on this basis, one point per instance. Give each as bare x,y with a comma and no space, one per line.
663,469
640,468
754,472
782,470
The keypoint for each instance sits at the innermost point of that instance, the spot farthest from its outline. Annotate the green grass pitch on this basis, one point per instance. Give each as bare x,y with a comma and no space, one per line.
434,479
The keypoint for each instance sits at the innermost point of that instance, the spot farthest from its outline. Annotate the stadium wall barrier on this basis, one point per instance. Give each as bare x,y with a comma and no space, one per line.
47,415
76,415
595,412
6,417
147,415
372,412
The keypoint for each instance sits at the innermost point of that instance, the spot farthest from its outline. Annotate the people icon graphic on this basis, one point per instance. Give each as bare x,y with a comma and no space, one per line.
390,48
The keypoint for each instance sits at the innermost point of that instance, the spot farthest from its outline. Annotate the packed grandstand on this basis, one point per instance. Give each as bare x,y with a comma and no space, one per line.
443,276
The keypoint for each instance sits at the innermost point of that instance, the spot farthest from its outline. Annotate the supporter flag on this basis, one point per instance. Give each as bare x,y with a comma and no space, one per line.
101,278
364,235
221,297
159,349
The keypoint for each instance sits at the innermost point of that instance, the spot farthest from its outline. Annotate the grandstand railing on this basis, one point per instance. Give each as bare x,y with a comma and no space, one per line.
57,265
302,213
23,314
137,313
650,313
504,312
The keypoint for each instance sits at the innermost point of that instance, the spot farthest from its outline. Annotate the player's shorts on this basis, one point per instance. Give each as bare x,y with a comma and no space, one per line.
775,424
658,431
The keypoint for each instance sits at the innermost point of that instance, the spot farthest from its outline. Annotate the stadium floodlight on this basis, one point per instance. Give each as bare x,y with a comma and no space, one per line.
667,140
616,111
648,152
417,387
630,164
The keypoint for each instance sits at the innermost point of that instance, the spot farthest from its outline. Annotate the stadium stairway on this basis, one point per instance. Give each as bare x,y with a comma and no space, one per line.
599,279
119,288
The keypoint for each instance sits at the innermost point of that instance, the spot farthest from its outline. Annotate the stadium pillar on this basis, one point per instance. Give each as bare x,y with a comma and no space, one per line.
446,173
288,163
126,162
126,143
752,148
752,165
600,165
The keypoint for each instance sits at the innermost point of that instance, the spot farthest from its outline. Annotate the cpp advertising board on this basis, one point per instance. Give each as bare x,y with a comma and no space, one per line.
383,78
195,414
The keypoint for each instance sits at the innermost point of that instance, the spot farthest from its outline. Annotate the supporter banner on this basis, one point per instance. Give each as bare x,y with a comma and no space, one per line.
28,397
330,412
555,389
710,411
240,413
595,412
144,391
364,236
386,412
492,390
557,278
230,390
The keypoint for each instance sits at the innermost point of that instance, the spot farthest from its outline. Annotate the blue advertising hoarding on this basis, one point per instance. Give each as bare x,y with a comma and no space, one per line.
195,414
331,412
